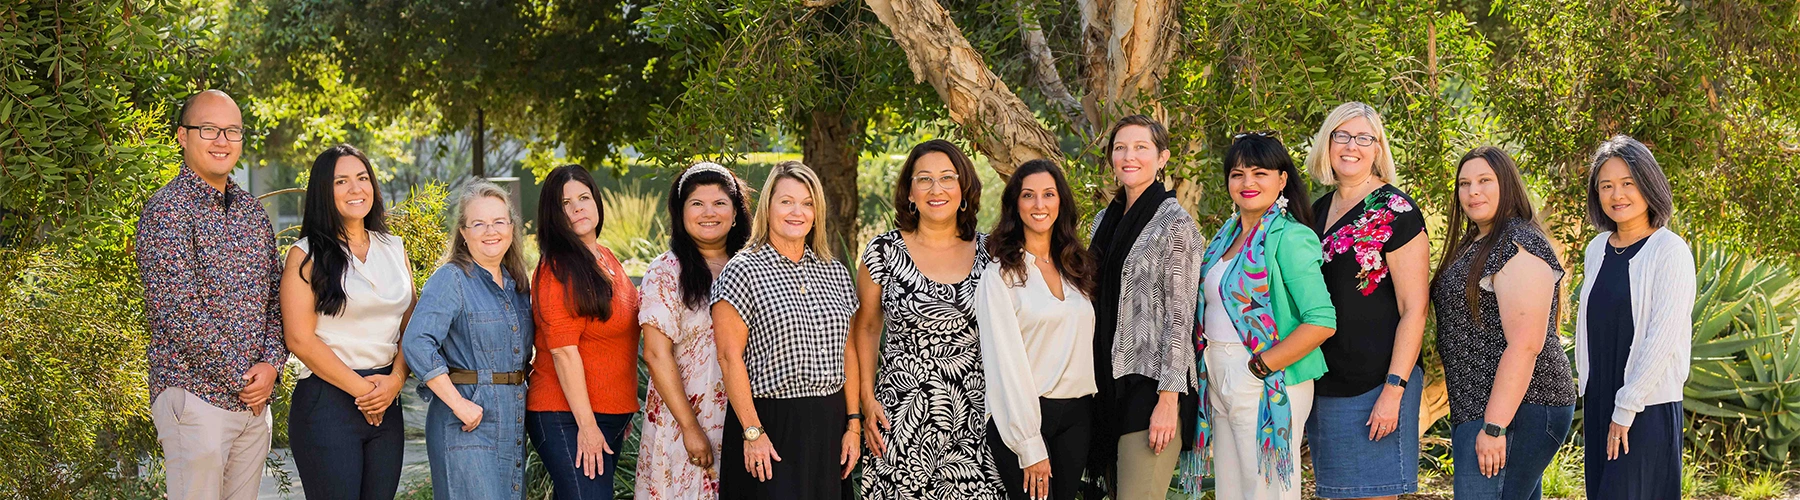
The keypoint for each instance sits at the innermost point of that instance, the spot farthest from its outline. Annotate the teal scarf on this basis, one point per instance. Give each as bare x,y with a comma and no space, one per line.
1245,290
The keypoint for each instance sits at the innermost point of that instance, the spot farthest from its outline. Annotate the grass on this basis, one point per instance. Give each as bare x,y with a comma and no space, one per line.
1564,477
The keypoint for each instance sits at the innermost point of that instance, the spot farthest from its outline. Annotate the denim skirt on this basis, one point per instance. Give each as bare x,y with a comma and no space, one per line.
1346,464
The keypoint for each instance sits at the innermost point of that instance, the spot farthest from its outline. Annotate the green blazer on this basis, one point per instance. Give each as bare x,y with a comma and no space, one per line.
1297,288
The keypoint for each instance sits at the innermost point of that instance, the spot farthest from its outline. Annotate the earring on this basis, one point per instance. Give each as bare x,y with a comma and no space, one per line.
912,207
964,207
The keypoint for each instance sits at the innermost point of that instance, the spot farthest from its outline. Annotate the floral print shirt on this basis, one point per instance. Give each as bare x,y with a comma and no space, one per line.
211,280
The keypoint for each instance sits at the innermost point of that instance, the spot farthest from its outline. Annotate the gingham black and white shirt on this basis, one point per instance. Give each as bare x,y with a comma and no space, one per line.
799,319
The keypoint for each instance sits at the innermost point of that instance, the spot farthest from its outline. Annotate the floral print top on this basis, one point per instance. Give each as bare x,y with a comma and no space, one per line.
1356,245
1365,237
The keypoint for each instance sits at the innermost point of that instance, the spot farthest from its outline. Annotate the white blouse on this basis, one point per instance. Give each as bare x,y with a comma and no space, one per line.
377,293
1033,345
1216,322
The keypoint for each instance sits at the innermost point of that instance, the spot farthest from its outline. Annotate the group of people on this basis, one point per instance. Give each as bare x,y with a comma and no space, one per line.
951,363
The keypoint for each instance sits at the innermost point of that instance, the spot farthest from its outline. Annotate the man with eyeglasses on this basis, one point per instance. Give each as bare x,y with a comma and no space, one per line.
206,252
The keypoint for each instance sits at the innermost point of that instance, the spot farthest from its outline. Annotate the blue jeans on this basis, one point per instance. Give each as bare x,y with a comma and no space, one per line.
553,435
1536,433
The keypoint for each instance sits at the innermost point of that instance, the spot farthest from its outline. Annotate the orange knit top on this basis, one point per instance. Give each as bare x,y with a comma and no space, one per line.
609,348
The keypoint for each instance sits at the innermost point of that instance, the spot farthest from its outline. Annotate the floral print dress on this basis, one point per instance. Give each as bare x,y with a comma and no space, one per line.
663,468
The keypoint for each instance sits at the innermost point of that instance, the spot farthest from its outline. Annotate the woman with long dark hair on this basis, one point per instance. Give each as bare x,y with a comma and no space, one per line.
1633,334
1036,320
684,418
468,342
1265,311
345,296
584,376
1496,296
1147,248
923,410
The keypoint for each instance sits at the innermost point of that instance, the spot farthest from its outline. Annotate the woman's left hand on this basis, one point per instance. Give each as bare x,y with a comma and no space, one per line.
1490,452
852,450
1618,440
1386,415
1165,423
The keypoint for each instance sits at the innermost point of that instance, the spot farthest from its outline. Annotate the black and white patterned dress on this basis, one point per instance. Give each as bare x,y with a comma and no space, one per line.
929,383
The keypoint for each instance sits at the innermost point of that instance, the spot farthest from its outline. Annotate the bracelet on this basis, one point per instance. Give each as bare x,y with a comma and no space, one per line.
854,416
1259,368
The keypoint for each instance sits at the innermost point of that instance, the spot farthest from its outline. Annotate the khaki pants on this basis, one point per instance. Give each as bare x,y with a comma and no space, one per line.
1144,475
209,453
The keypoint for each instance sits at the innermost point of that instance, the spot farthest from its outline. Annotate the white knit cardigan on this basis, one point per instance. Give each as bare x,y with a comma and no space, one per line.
1662,304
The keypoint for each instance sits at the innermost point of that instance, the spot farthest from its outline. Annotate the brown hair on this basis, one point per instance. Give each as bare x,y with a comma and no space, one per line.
1513,207
907,217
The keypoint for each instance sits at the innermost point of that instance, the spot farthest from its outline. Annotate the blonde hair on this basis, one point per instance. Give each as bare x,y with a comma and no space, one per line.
818,237
1318,161
457,249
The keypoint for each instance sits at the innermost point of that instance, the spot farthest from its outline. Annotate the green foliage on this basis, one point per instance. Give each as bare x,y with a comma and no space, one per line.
1564,478
84,92
422,223
636,226
1285,65
1709,85
74,403
1745,378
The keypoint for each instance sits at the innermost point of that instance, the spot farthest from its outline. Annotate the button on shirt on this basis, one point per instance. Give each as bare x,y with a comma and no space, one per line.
798,315
465,321
211,280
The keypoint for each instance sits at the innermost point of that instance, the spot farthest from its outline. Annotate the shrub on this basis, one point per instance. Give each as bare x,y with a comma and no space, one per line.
1746,357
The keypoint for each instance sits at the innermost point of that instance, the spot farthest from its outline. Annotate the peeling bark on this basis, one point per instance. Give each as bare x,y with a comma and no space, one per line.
996,120
1127,46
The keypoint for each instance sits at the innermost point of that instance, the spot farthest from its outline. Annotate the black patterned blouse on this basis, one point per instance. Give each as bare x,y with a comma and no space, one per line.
1471,351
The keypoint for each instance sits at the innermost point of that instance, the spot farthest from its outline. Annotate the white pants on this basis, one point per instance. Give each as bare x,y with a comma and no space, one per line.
1235,395
209,453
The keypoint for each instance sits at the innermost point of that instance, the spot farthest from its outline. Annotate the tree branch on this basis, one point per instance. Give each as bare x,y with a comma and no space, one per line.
1127,46
998,122
1044,74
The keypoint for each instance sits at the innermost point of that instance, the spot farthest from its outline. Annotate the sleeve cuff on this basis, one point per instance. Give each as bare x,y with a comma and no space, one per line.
559,339
1623,416
1032,451
427,375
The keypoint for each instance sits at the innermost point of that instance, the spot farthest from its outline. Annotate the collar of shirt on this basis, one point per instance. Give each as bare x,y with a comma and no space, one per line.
196,190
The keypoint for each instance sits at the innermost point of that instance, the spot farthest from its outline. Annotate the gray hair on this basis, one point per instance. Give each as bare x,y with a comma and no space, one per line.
456,249
1651,182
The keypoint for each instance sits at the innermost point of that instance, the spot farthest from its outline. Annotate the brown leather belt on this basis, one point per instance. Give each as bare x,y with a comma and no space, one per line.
470,377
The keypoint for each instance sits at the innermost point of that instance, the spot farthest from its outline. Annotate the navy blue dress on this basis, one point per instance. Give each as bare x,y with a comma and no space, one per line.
1653,468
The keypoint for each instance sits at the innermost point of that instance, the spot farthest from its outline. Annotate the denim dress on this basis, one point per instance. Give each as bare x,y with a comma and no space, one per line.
464,320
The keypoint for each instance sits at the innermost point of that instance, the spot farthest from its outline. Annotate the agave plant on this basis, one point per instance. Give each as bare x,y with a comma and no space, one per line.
1745,379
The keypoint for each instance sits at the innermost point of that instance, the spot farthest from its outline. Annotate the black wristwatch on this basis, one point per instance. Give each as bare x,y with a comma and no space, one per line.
1396,381
1493,430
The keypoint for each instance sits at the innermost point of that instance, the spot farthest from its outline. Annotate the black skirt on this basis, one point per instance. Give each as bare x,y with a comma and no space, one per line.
807,433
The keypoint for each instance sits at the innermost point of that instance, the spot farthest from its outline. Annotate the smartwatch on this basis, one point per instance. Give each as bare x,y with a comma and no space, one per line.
1396,381
1493,430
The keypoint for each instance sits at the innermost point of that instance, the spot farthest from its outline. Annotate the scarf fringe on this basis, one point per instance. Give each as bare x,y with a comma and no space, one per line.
1280,463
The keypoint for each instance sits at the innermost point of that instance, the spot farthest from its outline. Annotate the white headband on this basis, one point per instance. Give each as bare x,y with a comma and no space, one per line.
707,166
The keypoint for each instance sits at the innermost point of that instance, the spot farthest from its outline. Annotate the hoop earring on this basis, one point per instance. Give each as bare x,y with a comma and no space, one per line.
912,207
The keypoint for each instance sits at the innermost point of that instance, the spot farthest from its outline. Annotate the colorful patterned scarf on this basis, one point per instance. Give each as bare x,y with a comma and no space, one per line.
1245,290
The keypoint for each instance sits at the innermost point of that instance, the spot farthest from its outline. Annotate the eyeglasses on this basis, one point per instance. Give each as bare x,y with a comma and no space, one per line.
945,182
1364,140
211,133
479,227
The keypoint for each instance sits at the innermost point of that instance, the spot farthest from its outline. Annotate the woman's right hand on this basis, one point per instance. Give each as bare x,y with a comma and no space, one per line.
875,423
469,413
699,448
760,458
1037,480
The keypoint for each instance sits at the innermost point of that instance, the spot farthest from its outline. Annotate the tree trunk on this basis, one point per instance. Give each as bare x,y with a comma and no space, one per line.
1000,125
830,148
478,149
1126,48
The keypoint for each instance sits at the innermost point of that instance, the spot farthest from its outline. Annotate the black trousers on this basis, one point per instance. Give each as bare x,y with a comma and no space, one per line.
808,433
1066,427
338,454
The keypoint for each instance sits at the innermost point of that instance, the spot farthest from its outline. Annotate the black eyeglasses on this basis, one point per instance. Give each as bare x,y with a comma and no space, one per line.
211,133
1364,140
